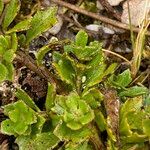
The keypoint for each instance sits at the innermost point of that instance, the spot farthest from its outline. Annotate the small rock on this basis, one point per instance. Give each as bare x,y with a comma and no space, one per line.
93,27
114,2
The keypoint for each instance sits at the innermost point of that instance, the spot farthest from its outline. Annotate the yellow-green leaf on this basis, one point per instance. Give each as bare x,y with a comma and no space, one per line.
12,9
3,72
21,26
41,21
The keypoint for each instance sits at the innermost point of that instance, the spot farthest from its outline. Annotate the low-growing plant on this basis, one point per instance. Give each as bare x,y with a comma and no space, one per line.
95,109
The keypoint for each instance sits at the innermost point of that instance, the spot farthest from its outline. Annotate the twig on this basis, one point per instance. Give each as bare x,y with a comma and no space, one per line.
113,53
40,70
98,17
110,9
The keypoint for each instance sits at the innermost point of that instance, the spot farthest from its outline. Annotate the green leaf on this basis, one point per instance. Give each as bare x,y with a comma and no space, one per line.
132,104
25,142
93,97
41,53
65,133
146,126
12,9
2,50
3,72
14,42
78,146
74,125
133,91
134,138
81,38
38,126
42,141
50,97
11,71
20,94
1,6
100,120
124,127
123,79
21,26
65,70
110,69
21,116
3,42
9,55
95,75
7,127
46,141
41,21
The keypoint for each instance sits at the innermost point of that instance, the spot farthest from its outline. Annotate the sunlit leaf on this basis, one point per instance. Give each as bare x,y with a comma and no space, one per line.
81,38
41,21
50,97
12,9
146,127
22,95
3,72
133,91
41,53
65,133
123,79
4,42
21,26
9,55
65,70
7,127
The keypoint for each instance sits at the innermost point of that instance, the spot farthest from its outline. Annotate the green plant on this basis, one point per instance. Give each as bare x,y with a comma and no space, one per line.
92,100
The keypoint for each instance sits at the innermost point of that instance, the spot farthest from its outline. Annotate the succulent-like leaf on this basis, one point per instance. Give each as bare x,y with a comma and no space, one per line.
93,97
10,70
65,133
21,26
81,38
38,126
146,126
14,42
12,9
7,127
4,42
21,117
78,146
41,21
133,91
134,138
3,72
9,55
95,75
50,97
41,53
124,127
100,120
123,79
42,141
65,70
20,94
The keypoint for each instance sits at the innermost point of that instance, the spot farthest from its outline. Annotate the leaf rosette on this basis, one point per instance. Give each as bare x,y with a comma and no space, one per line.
21,117
75,111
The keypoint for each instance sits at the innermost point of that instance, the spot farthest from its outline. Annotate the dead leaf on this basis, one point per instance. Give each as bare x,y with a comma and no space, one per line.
137,9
